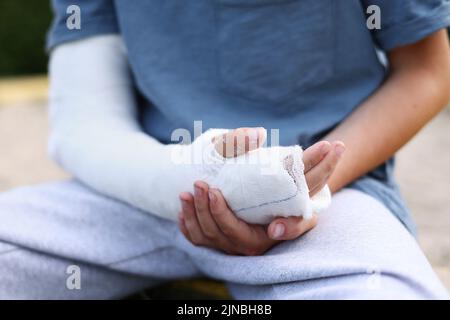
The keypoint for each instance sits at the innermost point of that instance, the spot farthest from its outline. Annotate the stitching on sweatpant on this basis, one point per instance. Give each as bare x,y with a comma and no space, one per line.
9,251
140,255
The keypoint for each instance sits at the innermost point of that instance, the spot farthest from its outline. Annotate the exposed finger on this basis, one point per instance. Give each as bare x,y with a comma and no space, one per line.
190,219
239,141
317,177
201,199
182,226
235,234
314,154
251,239
290,228
225,219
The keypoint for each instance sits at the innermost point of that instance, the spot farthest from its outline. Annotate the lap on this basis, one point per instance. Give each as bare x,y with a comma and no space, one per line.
354,239
29,274
68,220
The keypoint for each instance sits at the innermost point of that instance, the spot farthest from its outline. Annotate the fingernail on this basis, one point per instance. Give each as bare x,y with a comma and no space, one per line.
325,148
339,149
253,135
278,230
184,205
198,192
212,196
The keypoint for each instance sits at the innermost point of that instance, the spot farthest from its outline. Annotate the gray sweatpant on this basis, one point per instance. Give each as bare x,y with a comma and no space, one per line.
358,250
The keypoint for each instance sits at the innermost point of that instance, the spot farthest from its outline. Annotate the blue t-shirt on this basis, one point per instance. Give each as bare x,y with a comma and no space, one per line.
300,66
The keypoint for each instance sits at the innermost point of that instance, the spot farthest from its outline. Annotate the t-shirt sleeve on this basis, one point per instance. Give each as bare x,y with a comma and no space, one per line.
96,17
405,22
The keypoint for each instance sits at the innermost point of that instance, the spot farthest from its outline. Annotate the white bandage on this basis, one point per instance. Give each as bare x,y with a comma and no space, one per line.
96,137
260,185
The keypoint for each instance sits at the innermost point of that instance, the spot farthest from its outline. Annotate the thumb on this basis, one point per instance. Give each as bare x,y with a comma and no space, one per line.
290,228
239,141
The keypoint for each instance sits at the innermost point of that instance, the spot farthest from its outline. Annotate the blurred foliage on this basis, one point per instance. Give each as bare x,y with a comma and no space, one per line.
23,28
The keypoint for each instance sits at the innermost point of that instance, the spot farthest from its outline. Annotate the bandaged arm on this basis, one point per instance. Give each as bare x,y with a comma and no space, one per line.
95,135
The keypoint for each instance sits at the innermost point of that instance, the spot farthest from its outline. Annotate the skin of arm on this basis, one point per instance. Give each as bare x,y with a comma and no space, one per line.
417,88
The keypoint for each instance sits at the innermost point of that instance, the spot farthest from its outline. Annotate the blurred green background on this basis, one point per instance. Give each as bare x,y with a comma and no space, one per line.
23,28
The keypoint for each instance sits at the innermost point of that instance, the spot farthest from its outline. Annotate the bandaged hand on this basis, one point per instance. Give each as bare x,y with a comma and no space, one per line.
206,219
260,185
